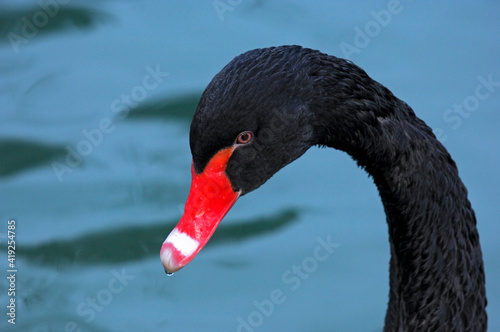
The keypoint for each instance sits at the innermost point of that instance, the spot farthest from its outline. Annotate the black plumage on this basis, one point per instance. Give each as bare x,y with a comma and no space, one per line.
292,98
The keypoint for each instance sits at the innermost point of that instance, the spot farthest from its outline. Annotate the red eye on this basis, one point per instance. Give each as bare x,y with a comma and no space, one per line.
244,137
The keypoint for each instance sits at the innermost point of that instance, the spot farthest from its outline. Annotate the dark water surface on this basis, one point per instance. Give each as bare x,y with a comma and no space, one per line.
96,99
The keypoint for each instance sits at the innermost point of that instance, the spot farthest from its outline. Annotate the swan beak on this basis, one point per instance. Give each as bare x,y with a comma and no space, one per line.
211,196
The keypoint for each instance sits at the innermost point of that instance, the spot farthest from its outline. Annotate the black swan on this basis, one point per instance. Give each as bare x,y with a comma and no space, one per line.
268,106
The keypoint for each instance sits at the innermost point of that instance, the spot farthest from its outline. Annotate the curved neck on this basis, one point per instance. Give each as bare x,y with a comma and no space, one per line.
436,268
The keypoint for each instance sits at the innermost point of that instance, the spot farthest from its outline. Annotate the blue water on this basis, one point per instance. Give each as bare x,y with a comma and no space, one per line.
117,82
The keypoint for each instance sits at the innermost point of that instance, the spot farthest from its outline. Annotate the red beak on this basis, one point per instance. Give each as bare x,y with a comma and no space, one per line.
210,198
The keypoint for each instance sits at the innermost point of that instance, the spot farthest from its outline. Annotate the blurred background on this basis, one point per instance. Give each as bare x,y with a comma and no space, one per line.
96,99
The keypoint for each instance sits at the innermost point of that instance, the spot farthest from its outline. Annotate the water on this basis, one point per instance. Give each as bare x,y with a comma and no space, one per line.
95,162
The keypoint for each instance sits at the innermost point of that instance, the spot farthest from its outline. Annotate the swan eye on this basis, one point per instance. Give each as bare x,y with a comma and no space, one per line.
244,137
